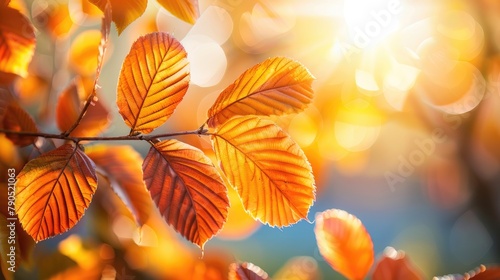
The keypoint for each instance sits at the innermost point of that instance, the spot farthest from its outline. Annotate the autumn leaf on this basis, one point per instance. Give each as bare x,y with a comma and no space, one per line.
17,119
246,271
69,106
186,10
124,12
55,18
122,165
276,86
394,265
484,273
187,189
84,52
344,243
269,170
153,80
17,44
54,190
103,44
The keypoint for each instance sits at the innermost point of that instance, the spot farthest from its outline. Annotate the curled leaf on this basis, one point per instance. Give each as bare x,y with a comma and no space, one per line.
153,80
187,10
187,189
395,265
17,44
276,86
122,164
246,271
54,190
124,12
269,170
344,243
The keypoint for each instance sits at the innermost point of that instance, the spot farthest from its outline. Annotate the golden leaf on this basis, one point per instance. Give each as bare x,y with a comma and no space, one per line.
276,86
17,119
246,271
269,170
187,189
186,10
17,44
84,51
153,80
124,12
344,243
54,190
122,165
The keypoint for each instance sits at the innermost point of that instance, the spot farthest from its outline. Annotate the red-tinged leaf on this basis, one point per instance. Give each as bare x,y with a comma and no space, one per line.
246,271
5,100
344,243
276,86
186,10
123,166
17,119
153,80
124,12
187,189
269,170
395,265
17,44
54,190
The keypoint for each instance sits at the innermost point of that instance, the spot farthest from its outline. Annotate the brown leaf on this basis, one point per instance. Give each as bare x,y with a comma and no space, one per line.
484,273
276,86
122,165
246,271
17,119
344,243
124,11
17,44
395,265
269,170
187,189
153,80
187,10
54,190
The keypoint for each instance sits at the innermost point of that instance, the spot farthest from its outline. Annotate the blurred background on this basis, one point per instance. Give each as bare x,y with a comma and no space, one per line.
403,133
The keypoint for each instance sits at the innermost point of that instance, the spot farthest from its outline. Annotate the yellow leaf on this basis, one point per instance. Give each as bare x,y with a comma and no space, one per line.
17,119
186,10
122,165
55,18
124,11
269,170
54,190
187,189
17,44
153,80
344,243
276,86
84,51
246,271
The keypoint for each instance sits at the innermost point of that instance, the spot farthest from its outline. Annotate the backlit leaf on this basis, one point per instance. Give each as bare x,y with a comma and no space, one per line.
187,10
269,170
124,11
17,119
246,271
84,52
54,190
122,165
55,18
153,80
276,86
187,189
17,44
394,265
344,243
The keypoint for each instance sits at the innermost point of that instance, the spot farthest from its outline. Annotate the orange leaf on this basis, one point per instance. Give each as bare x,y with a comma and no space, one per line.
394,265
17,44
122,164
276,86
153,80
187,189
344,243
84,52
124,11
55,18
69,106
269,170
246,271
186,10
17,119
54,190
